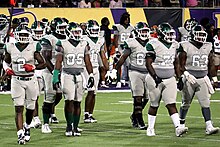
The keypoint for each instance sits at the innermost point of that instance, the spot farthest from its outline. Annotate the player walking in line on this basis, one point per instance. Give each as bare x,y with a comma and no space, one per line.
19,62
196,62
161,83
134,48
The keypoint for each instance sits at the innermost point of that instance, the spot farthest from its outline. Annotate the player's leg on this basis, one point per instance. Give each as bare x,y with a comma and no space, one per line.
76,117
137,81
138,112
154,97
18,97
203,96
30,101
57,98
188,93
48,101
53,118
90,99
36,120
169,97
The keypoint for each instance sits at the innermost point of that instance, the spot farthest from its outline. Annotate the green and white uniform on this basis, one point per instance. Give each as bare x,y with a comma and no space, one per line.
72,78
196,65
49,43
95,47
23,84
137,68
164,68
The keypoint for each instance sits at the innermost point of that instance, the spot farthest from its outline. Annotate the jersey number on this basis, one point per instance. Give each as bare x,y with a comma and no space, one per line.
21,62
124,36
140,59
200,61
74,59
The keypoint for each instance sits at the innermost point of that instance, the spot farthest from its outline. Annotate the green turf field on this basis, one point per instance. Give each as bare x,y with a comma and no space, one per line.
112,111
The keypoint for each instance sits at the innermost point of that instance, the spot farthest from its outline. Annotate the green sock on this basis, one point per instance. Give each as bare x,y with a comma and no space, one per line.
46,118
76,119
69,118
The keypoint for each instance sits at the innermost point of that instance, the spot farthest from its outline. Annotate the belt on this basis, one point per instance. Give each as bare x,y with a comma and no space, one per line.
24,78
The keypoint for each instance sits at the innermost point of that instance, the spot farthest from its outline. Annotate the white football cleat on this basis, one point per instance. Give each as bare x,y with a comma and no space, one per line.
181,130
46,129
211,130
21,137
150,132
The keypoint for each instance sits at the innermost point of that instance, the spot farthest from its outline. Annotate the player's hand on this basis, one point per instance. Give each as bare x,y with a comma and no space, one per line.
29,67
157,80
9,72
91,81
180,84
190,78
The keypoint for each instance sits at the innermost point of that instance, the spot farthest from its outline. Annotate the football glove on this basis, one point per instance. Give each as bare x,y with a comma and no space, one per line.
29,67
157,80
180,84
9,72
91,81
190,78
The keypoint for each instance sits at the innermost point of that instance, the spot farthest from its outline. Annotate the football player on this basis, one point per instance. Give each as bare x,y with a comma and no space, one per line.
38,31
72,56
184,32
98,58
19,62
134,48
196,62
122,32
58,27
161,82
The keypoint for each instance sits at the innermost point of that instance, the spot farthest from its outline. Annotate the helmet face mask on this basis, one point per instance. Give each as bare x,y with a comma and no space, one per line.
170,36
74,31
38,30
166,33
59,26
22,34
93,28
143,31
198,34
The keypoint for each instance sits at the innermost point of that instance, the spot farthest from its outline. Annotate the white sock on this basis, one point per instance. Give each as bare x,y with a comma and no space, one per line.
176,120
151,121
52,115
208,123
21,131
90,115
86,113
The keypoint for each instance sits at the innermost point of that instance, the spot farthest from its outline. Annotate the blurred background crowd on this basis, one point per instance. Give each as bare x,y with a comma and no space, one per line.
113,3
